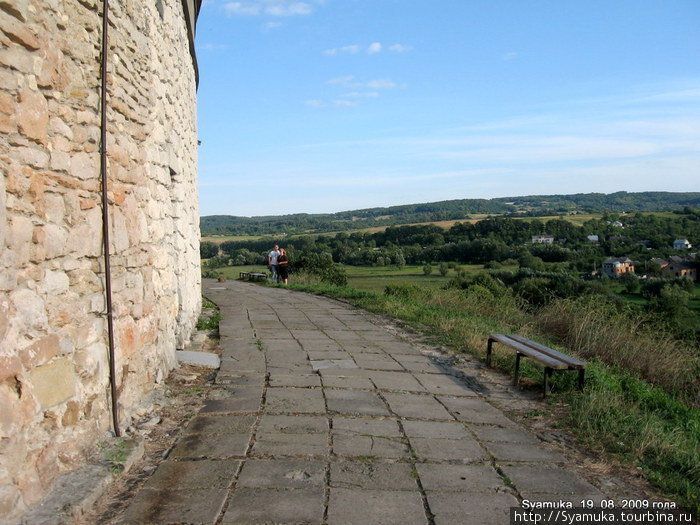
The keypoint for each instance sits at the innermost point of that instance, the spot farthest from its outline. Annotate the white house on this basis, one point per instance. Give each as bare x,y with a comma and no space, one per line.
681,244
543,239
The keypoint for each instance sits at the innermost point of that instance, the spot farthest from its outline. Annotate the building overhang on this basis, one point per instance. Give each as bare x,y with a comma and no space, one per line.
191,10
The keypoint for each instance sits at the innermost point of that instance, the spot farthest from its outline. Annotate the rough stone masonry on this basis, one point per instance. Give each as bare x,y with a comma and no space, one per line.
54,384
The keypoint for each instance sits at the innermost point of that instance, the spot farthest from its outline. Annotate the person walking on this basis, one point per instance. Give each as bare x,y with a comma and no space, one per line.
272,258
283,266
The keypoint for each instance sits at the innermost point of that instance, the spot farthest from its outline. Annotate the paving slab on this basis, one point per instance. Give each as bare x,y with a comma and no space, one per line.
522,452
416,406
373,475
355,402
356,426
258,505
475,410
459,478
218,445
431,449
436,429
547,480
396,381
503,435
361,383
299,400
284,424
174,506
334,419
445,385
368,447
291,445
461,507
282,473
298,380
204,474
380,507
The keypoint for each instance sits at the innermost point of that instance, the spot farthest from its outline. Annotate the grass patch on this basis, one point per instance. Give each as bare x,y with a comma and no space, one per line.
646,426
209,323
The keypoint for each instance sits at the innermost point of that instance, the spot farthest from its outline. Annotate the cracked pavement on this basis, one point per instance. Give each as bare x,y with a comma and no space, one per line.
320,414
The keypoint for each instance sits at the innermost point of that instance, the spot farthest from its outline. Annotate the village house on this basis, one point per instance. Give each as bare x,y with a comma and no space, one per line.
676,266
682,244
542,239
616,267
94,146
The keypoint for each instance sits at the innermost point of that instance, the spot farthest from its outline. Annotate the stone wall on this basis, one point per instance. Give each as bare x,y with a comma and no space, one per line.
54,374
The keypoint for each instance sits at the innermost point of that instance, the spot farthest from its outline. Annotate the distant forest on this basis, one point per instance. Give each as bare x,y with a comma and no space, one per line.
459,209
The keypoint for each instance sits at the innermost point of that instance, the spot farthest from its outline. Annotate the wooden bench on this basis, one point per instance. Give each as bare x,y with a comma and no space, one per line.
252,276
550,359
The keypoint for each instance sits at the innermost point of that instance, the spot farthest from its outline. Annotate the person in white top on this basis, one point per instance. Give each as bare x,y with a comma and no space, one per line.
272,263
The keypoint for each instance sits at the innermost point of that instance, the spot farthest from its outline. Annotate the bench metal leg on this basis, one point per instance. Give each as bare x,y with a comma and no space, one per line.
580,379
518,355
489,350
547,374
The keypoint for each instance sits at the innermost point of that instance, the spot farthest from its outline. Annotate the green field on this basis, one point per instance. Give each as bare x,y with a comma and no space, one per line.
372,278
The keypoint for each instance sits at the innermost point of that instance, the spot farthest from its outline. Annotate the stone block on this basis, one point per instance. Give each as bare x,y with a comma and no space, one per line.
256,505
40,352
188,475
296,400
353,402
212,446
282,473
53,383
416,406
460,507
274,424
547,480
33,114
459,478
431,449
175,506
372,475
204,359
355,506
291,445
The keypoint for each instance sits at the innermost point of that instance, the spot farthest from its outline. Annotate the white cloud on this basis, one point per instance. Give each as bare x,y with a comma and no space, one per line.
373,48
282,8
509,56
346,103
350,82
315,103
359,94
381,83
269,26
399,48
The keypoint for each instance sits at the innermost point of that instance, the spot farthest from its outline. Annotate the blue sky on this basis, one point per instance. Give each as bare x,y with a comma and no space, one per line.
315,106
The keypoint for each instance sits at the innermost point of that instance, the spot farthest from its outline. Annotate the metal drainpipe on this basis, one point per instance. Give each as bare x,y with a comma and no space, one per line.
105,215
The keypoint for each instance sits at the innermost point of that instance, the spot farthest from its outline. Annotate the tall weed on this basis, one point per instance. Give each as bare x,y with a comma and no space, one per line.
594,327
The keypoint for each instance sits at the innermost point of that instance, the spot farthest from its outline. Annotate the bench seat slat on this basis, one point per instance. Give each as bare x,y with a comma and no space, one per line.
545,359
571,361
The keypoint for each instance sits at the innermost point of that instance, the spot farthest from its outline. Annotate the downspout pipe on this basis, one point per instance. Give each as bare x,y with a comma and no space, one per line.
105,216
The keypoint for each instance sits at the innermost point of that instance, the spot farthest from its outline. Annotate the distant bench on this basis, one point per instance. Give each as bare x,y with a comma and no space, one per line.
252,276
551,359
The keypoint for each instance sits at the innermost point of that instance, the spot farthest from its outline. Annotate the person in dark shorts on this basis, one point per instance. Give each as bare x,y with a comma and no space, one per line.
283,266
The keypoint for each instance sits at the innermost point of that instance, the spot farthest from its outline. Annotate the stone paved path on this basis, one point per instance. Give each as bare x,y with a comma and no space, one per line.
320,415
